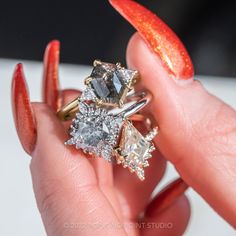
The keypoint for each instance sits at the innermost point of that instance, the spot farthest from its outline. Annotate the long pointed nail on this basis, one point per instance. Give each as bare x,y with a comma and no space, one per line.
51,86
166,197
160,38
22,111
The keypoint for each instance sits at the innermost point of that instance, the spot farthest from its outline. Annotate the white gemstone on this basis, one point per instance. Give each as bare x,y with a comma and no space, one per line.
88,95
83,108
127,75
106,152
151,135
94,130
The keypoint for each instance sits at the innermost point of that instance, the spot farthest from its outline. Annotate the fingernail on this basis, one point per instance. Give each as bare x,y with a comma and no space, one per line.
22,111
51,86
166,197
159,37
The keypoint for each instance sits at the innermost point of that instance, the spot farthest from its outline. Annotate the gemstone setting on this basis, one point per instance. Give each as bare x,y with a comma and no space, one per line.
109,83
95,131
135,149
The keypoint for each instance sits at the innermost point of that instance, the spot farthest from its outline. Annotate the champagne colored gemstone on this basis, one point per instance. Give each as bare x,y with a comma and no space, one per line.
133,145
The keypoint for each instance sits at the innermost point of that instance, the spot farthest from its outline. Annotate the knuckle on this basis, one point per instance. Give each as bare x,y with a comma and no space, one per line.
49,194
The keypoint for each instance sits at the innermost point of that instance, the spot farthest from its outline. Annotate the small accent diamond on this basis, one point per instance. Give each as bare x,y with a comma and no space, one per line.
88,95
127,75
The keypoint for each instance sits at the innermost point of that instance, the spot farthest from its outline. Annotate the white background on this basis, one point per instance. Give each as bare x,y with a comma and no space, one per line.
18,211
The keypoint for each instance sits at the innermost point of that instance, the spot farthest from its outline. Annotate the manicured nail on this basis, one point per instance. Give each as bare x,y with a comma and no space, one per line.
166,197
158,36
22,111
51,87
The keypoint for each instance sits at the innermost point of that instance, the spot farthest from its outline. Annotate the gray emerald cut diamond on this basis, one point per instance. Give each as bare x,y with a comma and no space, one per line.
95,131
109,83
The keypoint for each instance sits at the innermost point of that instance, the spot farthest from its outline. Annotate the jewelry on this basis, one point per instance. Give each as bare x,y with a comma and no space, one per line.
96,131
134,149
109,84
69,111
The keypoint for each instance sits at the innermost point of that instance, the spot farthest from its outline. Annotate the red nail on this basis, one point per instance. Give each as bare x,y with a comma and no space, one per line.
51,86
22,111
166,197
161,39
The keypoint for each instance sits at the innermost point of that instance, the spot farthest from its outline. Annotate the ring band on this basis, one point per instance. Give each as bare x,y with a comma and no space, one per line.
69,111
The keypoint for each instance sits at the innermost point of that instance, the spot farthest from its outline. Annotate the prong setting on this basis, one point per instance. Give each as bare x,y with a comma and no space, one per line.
88,80
110,83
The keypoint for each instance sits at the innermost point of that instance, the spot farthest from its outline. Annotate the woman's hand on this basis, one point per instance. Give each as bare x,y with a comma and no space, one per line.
197,134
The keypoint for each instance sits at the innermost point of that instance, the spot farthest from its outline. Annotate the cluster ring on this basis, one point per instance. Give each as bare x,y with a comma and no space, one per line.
99,129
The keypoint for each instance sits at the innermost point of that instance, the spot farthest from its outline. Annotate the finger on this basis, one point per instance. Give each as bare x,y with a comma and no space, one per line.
128,184
172,221
69,95
102,168
197,130
65,183
200,131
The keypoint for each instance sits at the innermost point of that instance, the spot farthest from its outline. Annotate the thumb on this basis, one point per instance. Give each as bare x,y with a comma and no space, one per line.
197,130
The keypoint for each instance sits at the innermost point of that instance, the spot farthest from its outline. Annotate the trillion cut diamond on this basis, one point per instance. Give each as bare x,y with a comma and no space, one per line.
134,149
127,75
95,131
88,95
111,83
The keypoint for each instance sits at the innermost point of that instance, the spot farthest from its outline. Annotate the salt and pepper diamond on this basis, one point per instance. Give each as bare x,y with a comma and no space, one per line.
109,83
95,131
135,149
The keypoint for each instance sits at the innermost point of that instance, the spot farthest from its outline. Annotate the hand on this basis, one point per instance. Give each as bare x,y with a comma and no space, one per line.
78,195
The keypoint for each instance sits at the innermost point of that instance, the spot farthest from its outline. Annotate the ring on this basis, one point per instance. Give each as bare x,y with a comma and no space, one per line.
134,149
69,111
95,129
108,85
102,118
97,132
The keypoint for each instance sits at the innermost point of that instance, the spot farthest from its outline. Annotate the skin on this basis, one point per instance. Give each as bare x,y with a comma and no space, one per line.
197,133
70,188
200,131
